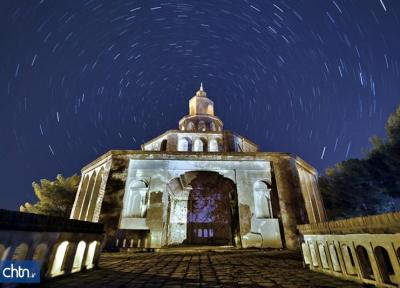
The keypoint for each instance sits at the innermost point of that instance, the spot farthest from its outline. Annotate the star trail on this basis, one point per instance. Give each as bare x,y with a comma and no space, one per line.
79,78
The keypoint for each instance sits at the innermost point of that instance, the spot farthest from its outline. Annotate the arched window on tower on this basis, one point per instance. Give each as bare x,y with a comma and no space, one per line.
135,202
163,146
199,145
202,126
262,200
213,145
213,127
190,126
184,144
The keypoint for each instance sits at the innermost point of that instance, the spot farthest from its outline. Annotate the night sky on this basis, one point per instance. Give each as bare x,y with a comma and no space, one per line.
78,78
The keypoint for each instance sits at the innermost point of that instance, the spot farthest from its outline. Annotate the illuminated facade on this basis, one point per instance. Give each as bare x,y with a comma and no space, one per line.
199,185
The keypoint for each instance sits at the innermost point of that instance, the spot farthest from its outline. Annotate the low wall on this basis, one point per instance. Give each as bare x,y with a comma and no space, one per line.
382,223
362,249
62,246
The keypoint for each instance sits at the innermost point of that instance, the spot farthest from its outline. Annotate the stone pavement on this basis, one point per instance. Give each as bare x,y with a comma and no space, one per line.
232,268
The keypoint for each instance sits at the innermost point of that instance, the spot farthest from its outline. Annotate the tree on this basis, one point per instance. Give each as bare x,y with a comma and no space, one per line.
54,197
357,187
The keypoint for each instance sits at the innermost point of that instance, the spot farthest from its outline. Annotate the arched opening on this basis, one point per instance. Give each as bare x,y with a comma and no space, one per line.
20,252
89,263
365,263
200,145
348,260
88,195
163,146
184,144
81,196
384,264
78,259
59,259
135,202
95,195
40,252
262,199
334,258
202,209
213,145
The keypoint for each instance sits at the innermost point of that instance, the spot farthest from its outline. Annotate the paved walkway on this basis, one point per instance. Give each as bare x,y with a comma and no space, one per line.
234,268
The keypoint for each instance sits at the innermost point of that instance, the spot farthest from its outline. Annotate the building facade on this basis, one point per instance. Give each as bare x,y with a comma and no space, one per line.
199,185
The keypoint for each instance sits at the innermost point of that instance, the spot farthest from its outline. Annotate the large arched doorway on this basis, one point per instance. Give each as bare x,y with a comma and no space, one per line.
202,209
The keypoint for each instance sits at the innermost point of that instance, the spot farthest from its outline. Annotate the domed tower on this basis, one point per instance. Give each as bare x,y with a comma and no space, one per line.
201,114
200,131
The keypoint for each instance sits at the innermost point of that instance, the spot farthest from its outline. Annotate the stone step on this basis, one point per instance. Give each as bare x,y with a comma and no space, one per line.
195,249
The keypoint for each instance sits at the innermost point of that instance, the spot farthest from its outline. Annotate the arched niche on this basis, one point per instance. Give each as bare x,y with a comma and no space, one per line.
81,196
95,195
135,204
262,199
88,196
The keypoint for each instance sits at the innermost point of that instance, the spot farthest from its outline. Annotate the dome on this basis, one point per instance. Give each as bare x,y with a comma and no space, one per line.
201,116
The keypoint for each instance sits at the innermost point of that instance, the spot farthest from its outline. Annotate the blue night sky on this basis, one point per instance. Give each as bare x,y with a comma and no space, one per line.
78,78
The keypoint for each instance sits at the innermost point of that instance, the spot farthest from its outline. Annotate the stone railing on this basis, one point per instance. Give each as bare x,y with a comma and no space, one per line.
382,223
60,245
362,249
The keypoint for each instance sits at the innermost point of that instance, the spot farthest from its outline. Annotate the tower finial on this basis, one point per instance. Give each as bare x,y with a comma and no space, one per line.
201,86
